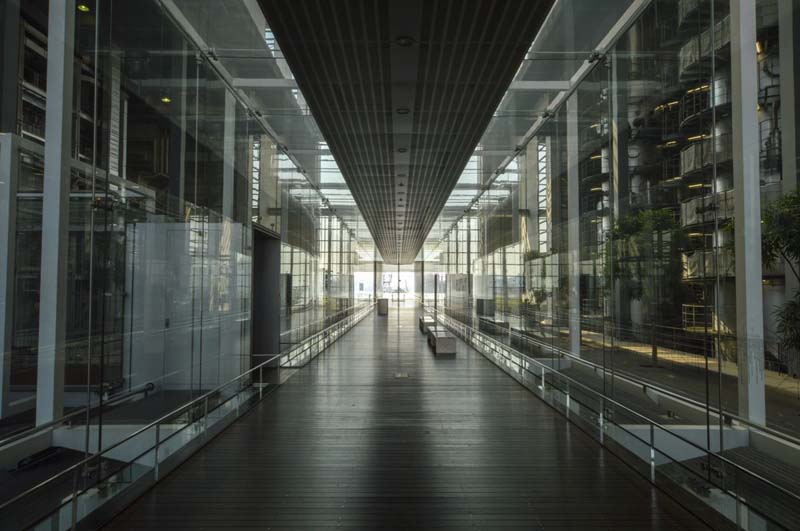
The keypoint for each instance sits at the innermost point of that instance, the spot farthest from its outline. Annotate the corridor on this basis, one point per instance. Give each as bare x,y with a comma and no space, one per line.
377,432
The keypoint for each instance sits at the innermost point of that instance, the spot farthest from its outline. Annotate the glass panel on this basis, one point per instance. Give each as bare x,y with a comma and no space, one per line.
605,244
171,169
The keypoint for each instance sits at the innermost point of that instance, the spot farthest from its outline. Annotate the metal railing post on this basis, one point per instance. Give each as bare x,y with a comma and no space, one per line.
74,504
205,415
602,421
155,449
652,454
544,372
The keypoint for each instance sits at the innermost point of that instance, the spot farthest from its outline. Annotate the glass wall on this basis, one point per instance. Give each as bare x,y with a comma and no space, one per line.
127,257
320,264
628,245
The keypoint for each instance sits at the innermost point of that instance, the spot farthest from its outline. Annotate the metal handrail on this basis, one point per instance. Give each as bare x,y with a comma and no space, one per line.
134,434
366,308
640,415
30,432
669,393
157,422
647,384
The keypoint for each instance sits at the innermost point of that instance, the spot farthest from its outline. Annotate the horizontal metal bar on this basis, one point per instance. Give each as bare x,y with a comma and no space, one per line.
78,413
243,82
525,84
666,392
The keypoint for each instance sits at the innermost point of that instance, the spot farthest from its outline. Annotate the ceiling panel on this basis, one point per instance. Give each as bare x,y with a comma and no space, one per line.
402,91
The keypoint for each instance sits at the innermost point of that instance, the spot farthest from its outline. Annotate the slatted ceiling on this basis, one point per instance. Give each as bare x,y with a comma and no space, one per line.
402,120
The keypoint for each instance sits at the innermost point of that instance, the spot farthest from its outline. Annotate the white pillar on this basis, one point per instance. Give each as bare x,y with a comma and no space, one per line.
55,211
746,175
573,226
9,163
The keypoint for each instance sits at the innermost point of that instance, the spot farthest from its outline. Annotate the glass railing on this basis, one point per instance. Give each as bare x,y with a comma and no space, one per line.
720,490
300,354
113,477
139,458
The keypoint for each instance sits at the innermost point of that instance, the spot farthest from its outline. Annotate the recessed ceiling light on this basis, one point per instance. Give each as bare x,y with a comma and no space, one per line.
404,41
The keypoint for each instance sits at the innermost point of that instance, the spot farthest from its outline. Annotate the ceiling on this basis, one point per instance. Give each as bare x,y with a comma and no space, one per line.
402,91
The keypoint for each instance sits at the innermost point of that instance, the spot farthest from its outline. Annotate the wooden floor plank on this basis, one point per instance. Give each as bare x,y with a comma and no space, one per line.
377,433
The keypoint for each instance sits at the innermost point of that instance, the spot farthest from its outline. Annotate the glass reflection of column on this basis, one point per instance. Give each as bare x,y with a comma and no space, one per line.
573,226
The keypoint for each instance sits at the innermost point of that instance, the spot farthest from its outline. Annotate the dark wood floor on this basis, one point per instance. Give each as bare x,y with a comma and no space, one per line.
377,433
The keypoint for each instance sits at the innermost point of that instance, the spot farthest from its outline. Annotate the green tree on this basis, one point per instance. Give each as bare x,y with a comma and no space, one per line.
780,238
648,262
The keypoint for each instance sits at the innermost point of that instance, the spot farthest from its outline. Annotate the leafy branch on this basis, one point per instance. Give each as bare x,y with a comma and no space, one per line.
780,238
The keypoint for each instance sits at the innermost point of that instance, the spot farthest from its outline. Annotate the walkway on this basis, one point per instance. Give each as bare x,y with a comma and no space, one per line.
377,433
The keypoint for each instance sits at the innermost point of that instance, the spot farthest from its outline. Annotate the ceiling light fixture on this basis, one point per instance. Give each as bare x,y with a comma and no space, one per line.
83,8
404,41
166,99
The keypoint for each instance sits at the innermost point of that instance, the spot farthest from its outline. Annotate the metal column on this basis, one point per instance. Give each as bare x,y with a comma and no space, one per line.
55,211
747,190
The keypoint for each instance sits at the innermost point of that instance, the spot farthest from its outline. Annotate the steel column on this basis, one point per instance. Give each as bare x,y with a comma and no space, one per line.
55,211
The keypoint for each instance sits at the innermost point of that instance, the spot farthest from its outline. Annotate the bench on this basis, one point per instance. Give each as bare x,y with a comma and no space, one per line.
442,342
425,321
431,330
383,306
